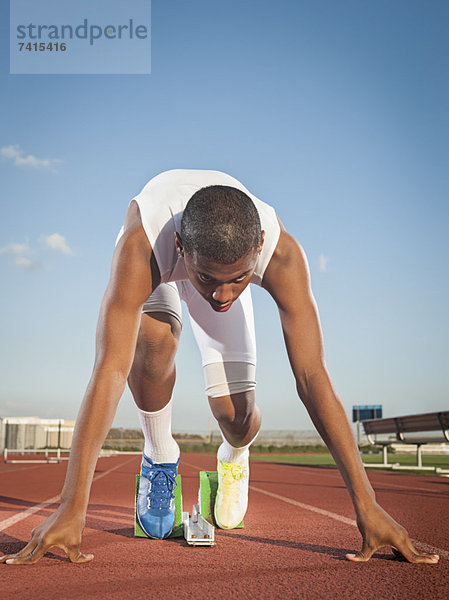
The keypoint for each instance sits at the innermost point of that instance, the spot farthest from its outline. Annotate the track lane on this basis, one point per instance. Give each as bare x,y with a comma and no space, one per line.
284,551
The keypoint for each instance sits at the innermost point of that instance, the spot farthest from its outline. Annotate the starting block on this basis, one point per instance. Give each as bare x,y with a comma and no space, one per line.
195,529
207,494
198,529
178,528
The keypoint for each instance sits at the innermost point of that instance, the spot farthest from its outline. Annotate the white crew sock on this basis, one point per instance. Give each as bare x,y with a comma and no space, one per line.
160,445
230,454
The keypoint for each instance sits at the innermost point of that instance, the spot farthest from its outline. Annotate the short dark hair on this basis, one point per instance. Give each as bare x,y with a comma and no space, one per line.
221,224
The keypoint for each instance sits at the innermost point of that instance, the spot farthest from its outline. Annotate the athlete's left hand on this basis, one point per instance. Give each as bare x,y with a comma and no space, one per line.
378,530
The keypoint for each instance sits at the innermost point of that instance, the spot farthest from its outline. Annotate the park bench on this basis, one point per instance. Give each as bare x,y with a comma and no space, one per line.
412,429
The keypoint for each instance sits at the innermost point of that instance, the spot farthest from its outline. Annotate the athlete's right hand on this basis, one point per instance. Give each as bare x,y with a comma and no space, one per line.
60,529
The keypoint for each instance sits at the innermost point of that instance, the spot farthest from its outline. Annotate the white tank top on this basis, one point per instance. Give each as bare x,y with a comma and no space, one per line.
162,202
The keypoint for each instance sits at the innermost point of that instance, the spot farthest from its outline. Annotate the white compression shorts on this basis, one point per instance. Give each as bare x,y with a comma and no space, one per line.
226,341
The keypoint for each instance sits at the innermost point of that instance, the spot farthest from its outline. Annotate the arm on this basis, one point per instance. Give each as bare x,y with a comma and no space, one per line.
134,275
287,280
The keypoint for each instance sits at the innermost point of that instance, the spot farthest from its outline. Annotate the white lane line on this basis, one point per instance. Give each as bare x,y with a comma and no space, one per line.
315,509
334,474
420,545
320,511
100,475
409,488
6,471
26,513
33,509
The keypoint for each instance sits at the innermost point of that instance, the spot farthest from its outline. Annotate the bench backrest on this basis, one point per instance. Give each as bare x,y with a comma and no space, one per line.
436,421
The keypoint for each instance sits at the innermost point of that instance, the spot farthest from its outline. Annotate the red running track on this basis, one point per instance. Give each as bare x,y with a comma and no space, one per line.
286,550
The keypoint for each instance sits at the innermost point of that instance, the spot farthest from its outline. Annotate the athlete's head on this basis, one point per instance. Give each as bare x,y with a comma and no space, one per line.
220,240
221,224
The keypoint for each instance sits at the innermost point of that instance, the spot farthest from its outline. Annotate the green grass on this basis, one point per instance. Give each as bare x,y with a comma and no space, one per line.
432,460
316,455
441,461
297,459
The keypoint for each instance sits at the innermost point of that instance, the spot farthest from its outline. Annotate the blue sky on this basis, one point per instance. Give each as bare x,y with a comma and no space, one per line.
333,112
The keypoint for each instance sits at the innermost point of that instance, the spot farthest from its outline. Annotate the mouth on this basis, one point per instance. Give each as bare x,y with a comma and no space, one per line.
220,307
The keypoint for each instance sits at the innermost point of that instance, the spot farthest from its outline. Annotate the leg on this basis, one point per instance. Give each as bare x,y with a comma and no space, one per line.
227,346
152,375
228,349
239,421
238,417
151,381
237,413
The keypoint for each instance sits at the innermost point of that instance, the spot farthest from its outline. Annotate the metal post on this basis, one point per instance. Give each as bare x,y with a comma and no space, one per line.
59,441
5,450
418,454
6,434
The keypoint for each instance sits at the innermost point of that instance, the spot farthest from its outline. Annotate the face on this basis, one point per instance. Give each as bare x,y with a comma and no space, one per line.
219,284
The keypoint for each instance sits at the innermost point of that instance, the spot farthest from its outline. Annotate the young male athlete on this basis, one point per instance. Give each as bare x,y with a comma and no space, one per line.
202,237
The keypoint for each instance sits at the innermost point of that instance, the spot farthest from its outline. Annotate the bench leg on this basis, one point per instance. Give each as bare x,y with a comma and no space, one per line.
418,455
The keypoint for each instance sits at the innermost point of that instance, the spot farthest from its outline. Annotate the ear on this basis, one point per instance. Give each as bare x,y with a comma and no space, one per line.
178,244
262,238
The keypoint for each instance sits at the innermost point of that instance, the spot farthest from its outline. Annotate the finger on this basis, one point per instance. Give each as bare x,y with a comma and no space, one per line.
76,556
359,557
409,553
5,557
29,559
28,549
365,554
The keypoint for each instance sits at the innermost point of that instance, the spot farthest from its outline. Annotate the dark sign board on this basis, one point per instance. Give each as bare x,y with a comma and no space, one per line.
366,412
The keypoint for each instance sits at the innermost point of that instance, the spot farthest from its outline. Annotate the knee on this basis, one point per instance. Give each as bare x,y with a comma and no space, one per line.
237,412
156,348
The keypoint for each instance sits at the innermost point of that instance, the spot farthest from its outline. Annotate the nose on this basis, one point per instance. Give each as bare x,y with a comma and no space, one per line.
222,294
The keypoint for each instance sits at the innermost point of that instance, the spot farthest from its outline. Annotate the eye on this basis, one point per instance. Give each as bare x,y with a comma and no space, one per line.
204,277
241,278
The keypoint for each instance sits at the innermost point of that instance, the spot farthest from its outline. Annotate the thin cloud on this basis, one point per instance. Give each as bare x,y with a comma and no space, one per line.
24,262
17,156
21,256
322,263
15,249
56,241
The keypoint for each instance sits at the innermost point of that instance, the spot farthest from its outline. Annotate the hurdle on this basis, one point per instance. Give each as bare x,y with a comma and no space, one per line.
34,436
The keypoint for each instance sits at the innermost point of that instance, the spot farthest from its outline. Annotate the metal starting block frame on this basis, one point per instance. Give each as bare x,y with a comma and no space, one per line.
197,531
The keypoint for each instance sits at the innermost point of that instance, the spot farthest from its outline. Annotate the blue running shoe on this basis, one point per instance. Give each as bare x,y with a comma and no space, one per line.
156,499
